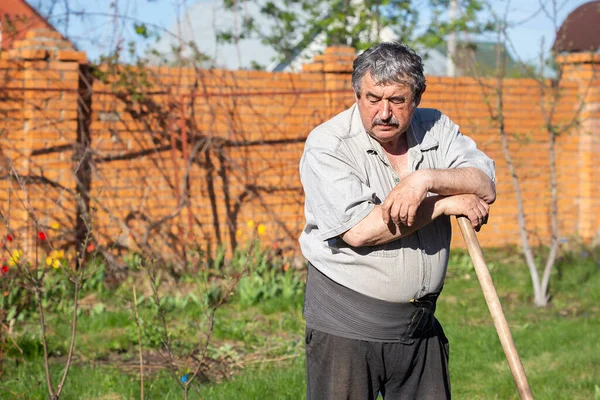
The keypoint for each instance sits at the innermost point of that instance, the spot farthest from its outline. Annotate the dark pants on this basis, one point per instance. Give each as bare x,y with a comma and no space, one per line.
346,369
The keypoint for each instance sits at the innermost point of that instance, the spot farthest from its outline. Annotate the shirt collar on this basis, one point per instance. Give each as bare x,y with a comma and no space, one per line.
418,136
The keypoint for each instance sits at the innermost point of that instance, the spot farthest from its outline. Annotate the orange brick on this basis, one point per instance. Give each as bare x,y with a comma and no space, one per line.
341,50
70,55
316,67
30,54
63,66
42,33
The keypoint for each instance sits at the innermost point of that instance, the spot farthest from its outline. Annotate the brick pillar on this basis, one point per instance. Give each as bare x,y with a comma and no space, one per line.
336,64
584,68
48,129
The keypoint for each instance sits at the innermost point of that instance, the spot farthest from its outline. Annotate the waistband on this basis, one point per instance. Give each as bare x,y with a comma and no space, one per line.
332,308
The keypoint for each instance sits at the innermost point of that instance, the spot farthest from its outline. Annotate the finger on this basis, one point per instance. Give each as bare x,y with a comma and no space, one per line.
474,222
485,210
483,220
475,217
385,210
486,214
394,213
412,211
409,215
480,211
485,206
483,215
403,214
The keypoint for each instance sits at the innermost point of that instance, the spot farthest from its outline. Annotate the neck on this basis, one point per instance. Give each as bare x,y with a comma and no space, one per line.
396,147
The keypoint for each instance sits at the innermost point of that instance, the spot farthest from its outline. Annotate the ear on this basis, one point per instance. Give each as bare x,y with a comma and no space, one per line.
418,98
356,97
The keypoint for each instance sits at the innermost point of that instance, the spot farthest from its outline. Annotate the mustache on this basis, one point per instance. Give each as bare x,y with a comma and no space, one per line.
389,122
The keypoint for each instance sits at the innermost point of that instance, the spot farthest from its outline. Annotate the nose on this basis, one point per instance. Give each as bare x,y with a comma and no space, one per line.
385,111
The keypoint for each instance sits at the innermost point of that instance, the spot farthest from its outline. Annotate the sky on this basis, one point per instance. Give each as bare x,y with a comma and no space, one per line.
104,23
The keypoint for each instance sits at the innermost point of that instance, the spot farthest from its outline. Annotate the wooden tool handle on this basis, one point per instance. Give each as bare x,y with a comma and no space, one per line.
491,298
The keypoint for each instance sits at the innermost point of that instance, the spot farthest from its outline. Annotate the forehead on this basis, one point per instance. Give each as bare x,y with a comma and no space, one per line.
368,84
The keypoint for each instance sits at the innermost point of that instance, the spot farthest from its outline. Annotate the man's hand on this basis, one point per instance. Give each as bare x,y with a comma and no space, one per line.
401,205
469,205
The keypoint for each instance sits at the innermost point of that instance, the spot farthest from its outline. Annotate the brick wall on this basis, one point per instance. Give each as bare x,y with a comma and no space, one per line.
39,78
173,155
584,70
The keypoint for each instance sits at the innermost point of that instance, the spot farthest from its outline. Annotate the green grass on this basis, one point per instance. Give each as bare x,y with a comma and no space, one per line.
262,343
283,381
560,357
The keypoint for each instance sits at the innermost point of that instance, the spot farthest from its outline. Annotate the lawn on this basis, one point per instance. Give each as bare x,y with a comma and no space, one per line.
256,347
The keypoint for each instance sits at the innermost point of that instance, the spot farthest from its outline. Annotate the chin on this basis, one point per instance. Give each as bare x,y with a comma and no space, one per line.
386,133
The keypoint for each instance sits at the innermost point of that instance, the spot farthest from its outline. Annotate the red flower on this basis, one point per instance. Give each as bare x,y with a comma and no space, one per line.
9,237
91,247
4,269
42,235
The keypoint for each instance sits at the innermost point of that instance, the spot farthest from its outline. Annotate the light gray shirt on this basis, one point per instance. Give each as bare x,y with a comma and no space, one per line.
345,172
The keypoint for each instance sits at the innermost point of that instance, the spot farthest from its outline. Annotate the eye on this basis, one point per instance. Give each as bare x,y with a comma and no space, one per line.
373,100
397,101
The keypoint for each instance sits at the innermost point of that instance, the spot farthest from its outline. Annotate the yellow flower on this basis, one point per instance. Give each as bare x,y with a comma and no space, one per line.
57,254
14,258
250,224
261,229
55,225
54,258
238,233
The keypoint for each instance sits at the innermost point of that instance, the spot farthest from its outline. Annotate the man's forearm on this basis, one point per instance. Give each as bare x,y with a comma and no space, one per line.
449,182
372,230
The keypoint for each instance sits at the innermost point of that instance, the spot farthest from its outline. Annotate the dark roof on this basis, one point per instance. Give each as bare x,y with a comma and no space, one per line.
581,30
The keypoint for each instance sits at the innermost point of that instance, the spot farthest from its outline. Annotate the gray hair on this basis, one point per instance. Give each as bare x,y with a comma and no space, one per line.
387,63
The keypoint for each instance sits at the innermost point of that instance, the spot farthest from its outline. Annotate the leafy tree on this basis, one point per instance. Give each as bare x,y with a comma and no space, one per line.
540,260
293,24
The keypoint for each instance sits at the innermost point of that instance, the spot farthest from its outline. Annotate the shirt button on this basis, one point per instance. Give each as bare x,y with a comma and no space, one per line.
397,180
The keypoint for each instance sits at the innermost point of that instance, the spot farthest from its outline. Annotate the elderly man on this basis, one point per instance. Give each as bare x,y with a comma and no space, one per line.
381,181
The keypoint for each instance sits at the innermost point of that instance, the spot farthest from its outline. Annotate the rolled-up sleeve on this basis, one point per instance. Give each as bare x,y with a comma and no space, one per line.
334,192
461,152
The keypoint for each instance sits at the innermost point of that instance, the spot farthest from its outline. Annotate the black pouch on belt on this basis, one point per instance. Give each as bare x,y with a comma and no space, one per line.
422,318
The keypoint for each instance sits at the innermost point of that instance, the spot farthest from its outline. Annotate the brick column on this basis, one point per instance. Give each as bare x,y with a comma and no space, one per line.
48,128
584,68
336,64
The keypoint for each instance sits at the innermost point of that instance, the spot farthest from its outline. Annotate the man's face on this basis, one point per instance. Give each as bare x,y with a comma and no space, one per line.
386,110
